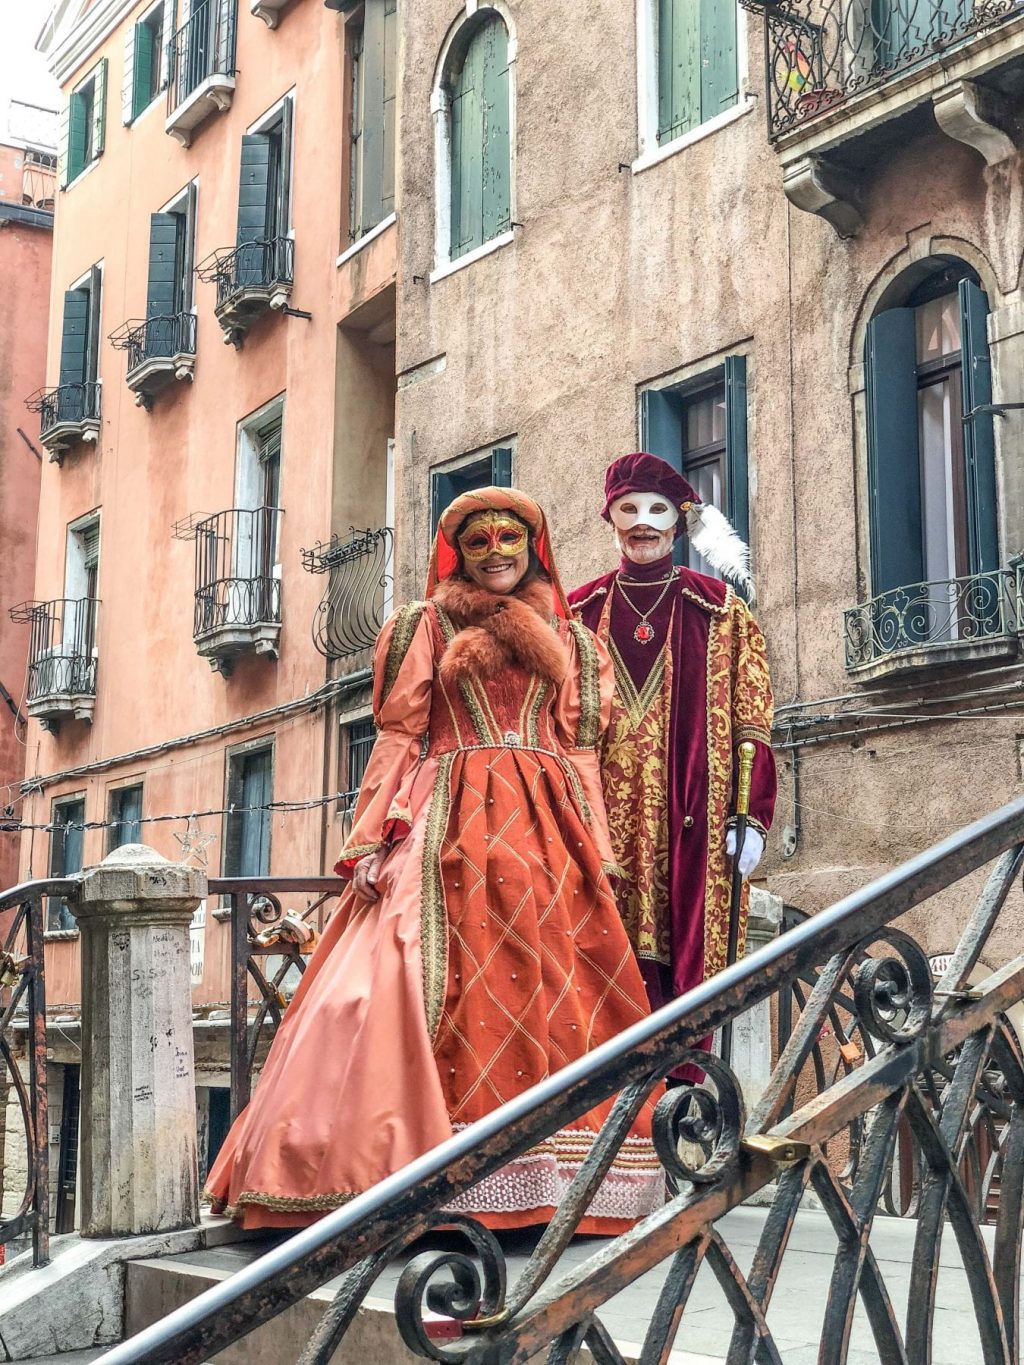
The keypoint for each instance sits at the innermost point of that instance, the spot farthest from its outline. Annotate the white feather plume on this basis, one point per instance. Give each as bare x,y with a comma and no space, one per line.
712,536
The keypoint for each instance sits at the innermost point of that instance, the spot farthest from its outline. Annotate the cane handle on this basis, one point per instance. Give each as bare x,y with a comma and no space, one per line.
746,752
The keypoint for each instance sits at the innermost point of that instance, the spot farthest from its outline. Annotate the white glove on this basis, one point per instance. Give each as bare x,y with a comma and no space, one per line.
753,847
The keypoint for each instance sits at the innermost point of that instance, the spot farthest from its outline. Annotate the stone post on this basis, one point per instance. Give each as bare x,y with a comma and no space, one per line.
138,1121
752,1031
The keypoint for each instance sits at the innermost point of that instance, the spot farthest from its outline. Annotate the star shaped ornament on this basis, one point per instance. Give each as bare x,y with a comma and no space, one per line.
194,843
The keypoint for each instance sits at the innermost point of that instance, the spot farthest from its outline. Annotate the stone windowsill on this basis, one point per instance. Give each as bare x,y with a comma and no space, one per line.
913,661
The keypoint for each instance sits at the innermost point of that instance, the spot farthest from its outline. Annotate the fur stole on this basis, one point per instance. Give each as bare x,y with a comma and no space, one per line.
494,632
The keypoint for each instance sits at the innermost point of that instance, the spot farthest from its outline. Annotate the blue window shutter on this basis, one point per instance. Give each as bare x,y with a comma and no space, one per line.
661,426
390,106
501,467
979,434
679,73
894,472
74,346
466,153
736,485
373,60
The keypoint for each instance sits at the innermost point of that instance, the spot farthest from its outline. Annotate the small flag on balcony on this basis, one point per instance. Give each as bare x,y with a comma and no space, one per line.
799,67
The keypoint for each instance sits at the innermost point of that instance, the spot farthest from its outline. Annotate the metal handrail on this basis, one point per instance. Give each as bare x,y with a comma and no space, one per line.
982,606
819,53
919,1026
235,580
23,997
62,645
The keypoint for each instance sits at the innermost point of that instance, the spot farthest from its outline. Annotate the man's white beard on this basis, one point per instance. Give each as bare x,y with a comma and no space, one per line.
649,551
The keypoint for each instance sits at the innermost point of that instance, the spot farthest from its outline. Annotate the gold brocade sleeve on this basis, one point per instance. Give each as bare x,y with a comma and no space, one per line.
582,713
403,676
753,711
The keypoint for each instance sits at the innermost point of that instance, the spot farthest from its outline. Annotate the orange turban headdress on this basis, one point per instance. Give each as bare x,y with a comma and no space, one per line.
444,556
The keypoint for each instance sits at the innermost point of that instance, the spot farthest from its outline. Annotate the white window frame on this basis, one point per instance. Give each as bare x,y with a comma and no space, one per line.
440,109
84,281
128,88
248,493
649,151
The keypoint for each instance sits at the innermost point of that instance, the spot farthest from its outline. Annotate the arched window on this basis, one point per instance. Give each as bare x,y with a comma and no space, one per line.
931,444
476,87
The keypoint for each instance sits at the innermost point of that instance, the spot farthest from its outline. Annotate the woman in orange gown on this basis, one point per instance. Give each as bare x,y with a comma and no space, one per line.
479,948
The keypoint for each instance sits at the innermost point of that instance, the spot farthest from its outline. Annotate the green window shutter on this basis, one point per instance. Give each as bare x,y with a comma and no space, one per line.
737,489
279,189
501,467
145,56
165,232
77,119
387,205
131,39
979,433
63,164
496,169
371,143
253,188
661,426
894,473
74,347
99,107
719,72
679,73
480,141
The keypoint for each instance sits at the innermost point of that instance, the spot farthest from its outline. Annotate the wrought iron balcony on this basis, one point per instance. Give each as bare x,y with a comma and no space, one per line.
68,415
821,52
359,590
940,622
251,279
61,658
238,585
201,68
160,350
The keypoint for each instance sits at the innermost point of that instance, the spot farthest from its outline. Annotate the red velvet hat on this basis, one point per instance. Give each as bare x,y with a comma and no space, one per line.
642,473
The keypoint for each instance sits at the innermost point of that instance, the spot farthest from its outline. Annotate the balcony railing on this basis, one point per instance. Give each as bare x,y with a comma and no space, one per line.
61,656
821,52
238,590
201,68
68,414
160,350
250,278
359,590
940,618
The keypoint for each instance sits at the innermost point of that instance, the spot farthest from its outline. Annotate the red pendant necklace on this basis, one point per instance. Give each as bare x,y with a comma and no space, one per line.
644,632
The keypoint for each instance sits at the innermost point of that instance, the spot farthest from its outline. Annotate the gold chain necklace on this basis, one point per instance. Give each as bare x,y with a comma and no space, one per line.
644,632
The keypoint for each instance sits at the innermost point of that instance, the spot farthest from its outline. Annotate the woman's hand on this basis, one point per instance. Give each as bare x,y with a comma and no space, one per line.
365,874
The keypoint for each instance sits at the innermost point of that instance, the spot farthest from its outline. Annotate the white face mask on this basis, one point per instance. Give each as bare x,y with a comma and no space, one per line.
643,509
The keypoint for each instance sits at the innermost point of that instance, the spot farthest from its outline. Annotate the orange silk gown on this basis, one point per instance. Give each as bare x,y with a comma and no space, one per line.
494,956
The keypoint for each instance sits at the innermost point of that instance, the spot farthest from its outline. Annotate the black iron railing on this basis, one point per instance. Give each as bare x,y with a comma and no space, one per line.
62,646
163,336
359,590
717,1154
821,52
236,583
204,46
74,403
23,1084
258,265
979,607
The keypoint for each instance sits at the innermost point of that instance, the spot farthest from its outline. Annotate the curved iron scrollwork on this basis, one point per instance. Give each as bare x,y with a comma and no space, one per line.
901,1059
359,590
979,607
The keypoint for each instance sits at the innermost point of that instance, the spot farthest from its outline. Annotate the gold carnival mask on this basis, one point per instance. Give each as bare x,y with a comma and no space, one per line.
491,533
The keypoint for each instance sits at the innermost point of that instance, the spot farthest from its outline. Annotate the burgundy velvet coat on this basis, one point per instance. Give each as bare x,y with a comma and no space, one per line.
721,695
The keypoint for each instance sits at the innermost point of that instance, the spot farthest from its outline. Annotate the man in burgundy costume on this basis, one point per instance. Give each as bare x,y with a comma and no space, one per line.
691,683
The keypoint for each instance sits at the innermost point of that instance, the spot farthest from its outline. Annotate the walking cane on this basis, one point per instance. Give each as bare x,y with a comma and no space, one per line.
746,755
